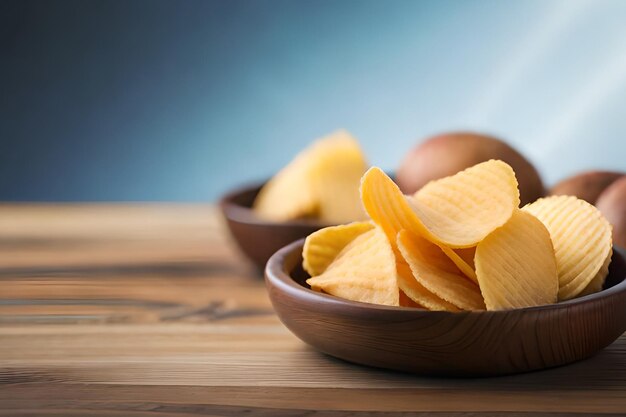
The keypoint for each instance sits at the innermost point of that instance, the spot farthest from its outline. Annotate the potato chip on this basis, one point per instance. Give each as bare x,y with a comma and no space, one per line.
365,270
461,210
581,237
417,292
290,194
390,209
387,206
516,266
323,246
597,283
437,273
336,178
321,181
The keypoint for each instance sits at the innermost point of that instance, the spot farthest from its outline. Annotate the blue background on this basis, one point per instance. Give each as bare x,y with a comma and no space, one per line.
181,100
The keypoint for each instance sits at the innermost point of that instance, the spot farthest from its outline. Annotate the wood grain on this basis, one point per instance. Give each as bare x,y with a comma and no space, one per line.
148,310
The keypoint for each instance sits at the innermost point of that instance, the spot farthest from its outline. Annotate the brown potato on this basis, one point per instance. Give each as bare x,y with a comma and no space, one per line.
586,185
446,154
612,203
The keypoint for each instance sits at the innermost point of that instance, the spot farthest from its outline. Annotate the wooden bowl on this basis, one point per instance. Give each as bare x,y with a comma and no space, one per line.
484,343
259,238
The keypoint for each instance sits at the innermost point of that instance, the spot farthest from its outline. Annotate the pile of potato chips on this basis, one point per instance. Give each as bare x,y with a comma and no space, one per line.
321,182
461,243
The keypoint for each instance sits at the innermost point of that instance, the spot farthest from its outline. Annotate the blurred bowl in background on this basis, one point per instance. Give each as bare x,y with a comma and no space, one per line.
256,237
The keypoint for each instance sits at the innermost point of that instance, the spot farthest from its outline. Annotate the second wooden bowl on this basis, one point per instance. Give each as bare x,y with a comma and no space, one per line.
484,343
259,238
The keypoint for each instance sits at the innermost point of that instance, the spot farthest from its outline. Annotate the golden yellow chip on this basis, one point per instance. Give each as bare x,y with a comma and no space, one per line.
336,178
581,237
461,210
322,181
390,209
597,283
290,194
437,273
365,270
516,266
323,246
387,206
417,292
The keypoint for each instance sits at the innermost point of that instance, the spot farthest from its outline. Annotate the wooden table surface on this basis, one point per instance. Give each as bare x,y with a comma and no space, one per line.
148,310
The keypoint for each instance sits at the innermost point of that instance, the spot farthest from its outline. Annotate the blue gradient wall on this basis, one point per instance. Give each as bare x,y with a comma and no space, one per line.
154,100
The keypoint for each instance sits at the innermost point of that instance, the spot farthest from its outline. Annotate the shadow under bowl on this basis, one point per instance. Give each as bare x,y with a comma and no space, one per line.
465,344
256,237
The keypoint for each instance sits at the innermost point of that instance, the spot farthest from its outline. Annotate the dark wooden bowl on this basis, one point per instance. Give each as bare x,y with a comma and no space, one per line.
464,344
258,238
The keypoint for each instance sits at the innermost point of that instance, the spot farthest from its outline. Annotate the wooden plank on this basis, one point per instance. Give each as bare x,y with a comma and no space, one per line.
240,355
149,310
178,398
44,237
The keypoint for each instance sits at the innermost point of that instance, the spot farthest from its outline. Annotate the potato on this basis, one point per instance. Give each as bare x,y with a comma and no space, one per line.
612,203
446,154
586,185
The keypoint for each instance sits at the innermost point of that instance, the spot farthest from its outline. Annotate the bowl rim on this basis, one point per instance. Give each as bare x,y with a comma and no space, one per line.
277,276
245,214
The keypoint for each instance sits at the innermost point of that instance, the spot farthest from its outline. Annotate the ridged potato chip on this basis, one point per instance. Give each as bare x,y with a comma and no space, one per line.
390,209
418,293
597,282
336,178
581,237
461,210
323,246
322,181
289,194
437,273
365,270
387,206
516,266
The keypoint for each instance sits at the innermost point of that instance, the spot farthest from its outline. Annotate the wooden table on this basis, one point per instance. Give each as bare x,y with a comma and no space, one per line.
148,310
